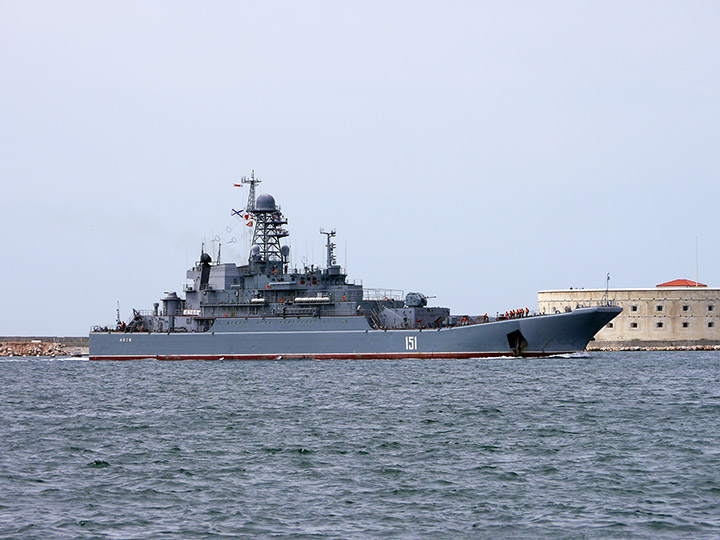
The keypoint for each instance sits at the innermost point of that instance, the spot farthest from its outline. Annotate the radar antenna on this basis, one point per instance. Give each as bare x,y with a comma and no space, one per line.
330,247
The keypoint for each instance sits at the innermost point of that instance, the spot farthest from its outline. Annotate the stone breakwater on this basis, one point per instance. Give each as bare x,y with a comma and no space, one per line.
663,348
43,346
32,348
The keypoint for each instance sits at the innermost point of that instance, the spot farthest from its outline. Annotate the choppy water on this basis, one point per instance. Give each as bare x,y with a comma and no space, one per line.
603,445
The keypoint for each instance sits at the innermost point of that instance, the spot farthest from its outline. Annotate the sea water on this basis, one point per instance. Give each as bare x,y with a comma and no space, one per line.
596,445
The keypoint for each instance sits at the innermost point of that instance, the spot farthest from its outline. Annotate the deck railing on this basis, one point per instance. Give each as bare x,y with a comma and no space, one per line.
383,294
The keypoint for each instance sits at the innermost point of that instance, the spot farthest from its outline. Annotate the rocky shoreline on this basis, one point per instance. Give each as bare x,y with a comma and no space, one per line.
661,348
39,348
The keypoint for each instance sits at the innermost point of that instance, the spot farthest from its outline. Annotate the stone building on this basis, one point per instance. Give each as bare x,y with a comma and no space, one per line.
679,313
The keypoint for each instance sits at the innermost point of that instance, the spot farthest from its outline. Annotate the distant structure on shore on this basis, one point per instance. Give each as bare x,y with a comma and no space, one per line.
679,313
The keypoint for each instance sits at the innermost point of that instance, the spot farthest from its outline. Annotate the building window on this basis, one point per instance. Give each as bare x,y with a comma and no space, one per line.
633,308
658,307
711,307
685,324
659,325
711,324
610,325
633,325
686,308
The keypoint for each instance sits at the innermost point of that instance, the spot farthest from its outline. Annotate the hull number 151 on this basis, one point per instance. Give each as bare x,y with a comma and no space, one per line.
411,343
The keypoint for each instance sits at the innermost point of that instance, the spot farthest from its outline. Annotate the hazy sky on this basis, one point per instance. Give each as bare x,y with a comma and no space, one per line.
474,151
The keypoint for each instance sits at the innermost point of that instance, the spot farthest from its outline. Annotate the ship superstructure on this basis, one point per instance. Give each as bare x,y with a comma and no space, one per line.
266,309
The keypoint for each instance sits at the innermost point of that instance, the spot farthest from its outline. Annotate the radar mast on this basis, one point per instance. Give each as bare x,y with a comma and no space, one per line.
268,228
330,247
252,181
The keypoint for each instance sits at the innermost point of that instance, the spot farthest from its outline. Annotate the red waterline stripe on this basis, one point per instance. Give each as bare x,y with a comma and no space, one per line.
319,356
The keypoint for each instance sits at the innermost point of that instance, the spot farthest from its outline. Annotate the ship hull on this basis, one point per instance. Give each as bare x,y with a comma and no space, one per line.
351,338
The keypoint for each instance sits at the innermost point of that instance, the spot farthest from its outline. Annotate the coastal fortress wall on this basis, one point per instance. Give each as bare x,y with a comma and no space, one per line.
660,317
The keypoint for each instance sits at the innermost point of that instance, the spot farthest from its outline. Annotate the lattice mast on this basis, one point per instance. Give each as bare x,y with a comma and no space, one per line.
268,222
252,182
268,232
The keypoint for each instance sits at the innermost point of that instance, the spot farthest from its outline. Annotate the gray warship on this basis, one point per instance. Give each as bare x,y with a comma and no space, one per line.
266,310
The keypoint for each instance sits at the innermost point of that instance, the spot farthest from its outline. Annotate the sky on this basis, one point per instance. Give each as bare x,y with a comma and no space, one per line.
477,152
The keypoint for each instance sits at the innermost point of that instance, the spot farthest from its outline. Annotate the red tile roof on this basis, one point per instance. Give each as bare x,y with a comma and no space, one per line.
682,283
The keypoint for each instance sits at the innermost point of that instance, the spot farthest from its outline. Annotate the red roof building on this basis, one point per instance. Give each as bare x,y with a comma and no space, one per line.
681,283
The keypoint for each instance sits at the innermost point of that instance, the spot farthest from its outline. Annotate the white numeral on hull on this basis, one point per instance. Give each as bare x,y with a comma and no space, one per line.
411,343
